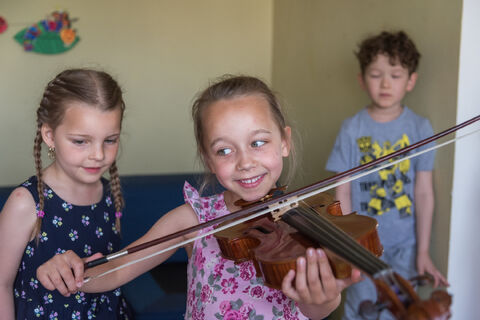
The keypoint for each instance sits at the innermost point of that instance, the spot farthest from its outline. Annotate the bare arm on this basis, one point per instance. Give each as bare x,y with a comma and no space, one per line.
57,272
424,204
17,220
343,194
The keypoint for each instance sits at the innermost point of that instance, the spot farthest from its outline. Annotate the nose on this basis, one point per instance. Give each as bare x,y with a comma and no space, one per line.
385,83
245,161
97,153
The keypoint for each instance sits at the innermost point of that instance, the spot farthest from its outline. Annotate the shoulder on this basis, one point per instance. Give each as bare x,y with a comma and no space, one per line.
17,221
351,123
351,129
20,198
357,117
417,120
20,204
197,201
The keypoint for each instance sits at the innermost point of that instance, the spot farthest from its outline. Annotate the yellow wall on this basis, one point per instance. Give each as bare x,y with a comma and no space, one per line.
161,52
315,69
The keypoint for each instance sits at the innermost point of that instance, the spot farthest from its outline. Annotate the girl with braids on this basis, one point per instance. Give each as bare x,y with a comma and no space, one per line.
68,205
242,138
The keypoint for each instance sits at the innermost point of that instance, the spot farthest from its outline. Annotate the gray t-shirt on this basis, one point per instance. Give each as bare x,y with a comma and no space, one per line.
387,195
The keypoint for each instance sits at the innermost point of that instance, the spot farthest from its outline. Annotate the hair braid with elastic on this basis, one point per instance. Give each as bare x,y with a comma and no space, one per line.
116,191
37,155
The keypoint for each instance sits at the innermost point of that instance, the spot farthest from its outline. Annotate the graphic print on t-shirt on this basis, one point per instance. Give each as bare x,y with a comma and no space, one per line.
387,186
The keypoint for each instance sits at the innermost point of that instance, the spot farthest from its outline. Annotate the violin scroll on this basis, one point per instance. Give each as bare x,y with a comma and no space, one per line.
399,297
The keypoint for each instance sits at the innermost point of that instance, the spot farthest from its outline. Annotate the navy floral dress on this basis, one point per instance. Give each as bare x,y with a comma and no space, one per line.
83,229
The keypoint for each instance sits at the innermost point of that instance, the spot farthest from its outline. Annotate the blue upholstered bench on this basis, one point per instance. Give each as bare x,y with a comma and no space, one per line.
160,293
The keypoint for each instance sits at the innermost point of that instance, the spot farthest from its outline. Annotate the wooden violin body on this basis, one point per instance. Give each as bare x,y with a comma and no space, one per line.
352,239
275,246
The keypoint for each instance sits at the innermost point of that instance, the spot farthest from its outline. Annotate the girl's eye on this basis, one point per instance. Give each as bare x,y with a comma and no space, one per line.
78,142
111,141
374,75
224,151
258,143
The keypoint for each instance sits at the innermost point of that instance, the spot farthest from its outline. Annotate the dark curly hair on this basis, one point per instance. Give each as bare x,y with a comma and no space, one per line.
397,46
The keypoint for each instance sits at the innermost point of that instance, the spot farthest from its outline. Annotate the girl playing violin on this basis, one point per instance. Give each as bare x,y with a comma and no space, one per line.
242,138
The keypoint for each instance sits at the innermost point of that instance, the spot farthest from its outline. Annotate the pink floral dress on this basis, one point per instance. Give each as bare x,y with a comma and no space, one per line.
219,288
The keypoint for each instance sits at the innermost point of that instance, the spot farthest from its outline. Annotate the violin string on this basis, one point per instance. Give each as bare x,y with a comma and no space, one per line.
335,239
342,240
322,233
281,205
319,234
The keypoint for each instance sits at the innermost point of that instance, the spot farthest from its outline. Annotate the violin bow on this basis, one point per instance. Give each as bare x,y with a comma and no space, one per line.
279,202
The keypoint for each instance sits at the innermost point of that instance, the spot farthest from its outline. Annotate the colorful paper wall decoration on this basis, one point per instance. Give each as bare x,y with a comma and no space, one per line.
49,36
3,25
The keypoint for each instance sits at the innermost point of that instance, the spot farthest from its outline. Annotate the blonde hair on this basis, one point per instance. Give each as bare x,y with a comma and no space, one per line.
96,88
228,87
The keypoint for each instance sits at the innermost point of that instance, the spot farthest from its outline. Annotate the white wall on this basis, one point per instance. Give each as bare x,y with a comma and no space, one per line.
464,258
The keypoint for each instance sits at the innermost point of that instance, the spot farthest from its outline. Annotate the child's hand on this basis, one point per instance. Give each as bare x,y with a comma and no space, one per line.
425,264
315,284
63,272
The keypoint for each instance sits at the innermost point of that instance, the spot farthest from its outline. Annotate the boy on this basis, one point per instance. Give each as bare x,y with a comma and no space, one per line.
388,64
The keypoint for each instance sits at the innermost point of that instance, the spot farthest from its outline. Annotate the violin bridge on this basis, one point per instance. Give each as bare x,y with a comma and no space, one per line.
278,213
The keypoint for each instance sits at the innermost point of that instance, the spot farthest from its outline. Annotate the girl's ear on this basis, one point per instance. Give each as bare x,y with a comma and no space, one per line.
286,141
411,81
47,135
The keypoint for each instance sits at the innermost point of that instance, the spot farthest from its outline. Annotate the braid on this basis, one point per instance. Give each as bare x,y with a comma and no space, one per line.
37,155
115,188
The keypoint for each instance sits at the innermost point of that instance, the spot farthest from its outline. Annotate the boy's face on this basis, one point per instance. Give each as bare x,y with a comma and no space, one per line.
386,84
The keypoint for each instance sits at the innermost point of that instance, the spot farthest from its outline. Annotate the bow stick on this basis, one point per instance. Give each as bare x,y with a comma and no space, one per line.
277,203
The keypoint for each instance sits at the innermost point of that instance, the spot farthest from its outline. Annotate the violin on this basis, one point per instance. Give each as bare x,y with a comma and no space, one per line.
274,247
351,239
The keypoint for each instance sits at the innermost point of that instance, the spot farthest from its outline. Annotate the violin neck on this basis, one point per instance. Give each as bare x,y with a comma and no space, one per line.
320,230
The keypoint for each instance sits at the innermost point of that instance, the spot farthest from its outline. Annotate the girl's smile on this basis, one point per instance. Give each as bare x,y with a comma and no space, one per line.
252,182
93,170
